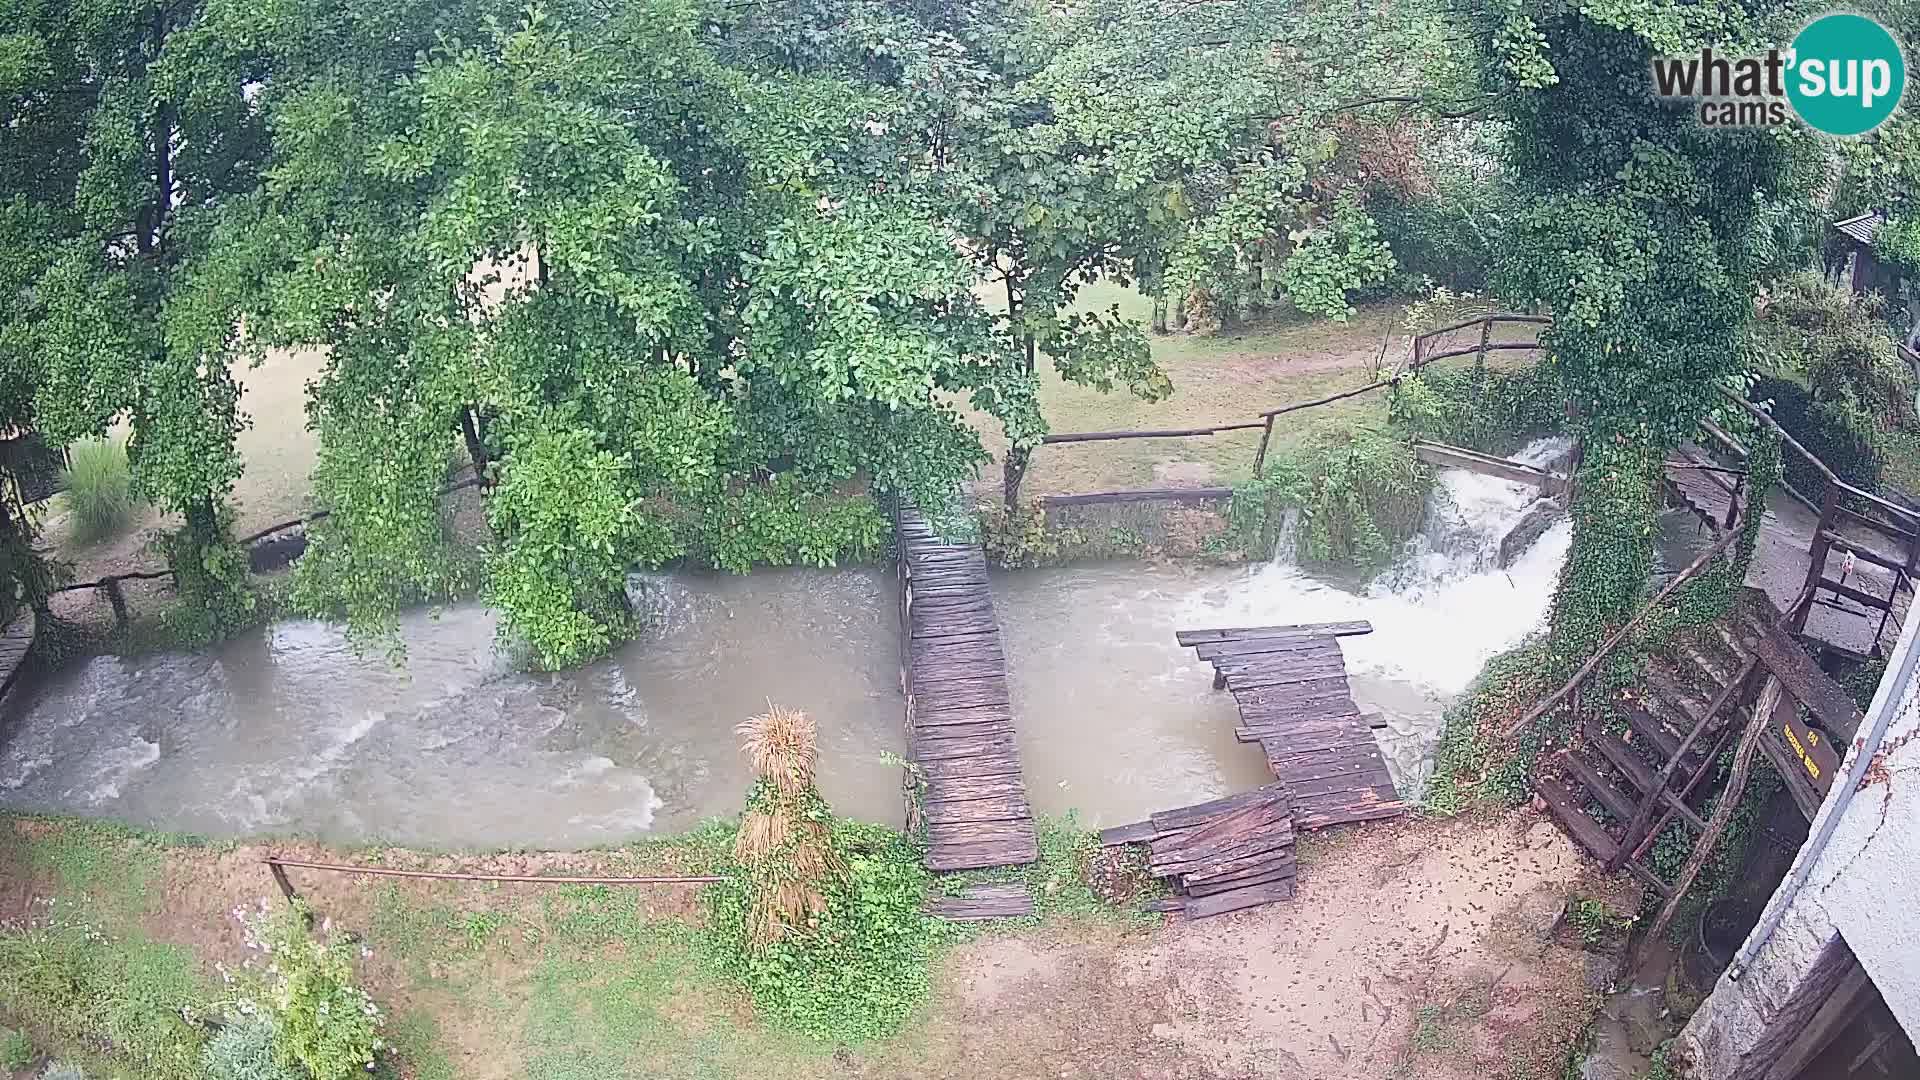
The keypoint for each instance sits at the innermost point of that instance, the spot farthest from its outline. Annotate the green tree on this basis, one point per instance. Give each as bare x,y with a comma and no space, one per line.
129,145
1643,232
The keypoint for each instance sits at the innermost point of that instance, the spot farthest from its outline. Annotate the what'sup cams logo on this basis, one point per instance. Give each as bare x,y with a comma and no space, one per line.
1843,75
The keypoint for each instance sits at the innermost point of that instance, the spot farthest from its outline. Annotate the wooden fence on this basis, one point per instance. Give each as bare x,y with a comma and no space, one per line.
110,584
1427,348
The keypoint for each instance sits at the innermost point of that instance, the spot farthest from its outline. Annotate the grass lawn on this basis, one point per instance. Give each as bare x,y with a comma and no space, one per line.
1220,378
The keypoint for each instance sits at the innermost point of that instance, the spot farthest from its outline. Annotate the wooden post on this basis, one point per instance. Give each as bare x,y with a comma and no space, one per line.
1480,362
116,597
280,879
1817,564
1260,459
1763,710
1733,503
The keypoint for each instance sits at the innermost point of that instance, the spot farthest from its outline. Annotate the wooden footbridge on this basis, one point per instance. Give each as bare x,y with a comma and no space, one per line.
1290,683
960,734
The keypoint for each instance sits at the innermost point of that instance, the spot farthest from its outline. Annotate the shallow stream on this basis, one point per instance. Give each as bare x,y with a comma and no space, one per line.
288,731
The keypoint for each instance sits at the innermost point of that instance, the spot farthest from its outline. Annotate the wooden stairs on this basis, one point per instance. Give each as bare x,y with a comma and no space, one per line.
1620,783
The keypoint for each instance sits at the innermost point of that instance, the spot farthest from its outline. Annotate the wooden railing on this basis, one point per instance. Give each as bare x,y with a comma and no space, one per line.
1427,348
1424,351
1894,522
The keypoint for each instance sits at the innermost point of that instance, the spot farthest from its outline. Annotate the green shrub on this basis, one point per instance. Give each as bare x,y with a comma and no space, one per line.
1018,539
1494,412
99,487
1850,447
16,1050
787,521
322,1021
1361,495
67,975
1838,343
243,1050
862,971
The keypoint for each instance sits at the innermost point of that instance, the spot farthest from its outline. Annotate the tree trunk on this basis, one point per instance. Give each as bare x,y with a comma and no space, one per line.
1012,473
1160,314
1179,320
476,449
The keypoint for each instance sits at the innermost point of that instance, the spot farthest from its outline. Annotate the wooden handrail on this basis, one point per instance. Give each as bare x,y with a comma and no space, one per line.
1606,649
1827,473
1164,433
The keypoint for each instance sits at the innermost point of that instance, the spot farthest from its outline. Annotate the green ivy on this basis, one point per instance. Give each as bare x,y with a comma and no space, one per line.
862,971
1897,244
1495,412
1344,254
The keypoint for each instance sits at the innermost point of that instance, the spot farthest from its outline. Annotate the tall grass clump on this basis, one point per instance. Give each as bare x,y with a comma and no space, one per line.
99,487
820,918
785,841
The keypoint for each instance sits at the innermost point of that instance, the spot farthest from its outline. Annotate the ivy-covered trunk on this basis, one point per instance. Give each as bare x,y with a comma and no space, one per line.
1616,501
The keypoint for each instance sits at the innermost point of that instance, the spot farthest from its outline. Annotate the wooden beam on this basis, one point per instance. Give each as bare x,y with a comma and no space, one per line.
1164,433
1088,498
1606,648
1455,457
1771,695
1189,638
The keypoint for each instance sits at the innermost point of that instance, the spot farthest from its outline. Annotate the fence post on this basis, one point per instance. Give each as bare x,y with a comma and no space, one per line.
1486,330
1817,557
280,878
1733,504
1260,459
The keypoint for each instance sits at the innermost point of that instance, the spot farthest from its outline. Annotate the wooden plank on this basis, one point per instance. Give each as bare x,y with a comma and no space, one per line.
1138,832
1010,808
977,767
1328,629
983,902
926,750
984,833
1574,821
930,717
1254,814
1260,877
1606,792
964,788
1203,907
1310,818
1277,857
1199,813
1215,650
1454,457
1224,861
1830,705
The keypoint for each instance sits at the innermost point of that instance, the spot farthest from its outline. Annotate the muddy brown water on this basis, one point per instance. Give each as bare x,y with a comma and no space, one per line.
288,730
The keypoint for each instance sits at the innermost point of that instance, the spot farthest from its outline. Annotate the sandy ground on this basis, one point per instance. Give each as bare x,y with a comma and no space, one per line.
1418,949
1415,950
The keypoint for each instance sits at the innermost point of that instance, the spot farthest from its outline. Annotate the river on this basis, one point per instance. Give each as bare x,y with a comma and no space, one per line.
287,730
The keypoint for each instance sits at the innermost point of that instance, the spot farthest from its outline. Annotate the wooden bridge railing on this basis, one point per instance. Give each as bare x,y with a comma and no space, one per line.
1426,349
1895,522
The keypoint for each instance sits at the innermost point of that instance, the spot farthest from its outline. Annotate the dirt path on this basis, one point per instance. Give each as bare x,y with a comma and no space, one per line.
1411,951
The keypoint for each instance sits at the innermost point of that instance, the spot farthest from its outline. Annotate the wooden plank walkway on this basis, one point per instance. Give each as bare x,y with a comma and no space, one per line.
1290,683
1220,856
982,902
15,642
959,714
